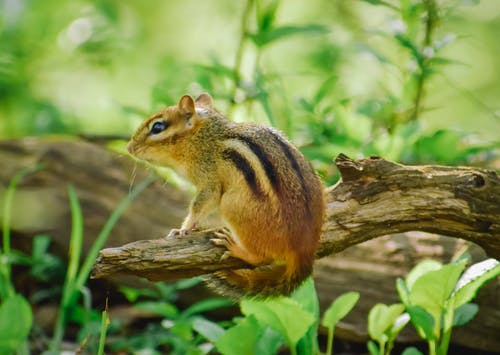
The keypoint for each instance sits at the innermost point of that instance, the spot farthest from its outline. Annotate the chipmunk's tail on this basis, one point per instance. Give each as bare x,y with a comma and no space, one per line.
262,281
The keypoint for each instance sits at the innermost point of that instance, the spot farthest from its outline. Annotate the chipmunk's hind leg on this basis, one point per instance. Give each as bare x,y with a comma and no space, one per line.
234,248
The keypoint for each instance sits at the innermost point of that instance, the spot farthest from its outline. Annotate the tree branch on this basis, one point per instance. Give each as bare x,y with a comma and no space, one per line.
375,197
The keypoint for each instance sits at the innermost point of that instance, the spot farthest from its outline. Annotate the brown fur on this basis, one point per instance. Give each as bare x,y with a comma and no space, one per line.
249,179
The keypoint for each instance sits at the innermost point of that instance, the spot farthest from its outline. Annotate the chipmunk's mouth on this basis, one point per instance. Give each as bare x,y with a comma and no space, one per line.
131,147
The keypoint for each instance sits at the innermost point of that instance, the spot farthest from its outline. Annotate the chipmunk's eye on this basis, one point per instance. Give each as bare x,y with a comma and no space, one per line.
158,127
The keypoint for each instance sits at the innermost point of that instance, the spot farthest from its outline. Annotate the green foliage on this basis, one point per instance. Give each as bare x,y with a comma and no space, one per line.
326,74
384,324
338,310
15,323
182,331
269,324
372,78
290,321
436,298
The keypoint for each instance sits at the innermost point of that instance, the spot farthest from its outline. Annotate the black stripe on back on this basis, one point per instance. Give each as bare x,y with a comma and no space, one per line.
267,165
243,165
295,165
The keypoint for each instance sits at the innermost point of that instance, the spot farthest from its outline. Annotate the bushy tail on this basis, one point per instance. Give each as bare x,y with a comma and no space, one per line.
260,282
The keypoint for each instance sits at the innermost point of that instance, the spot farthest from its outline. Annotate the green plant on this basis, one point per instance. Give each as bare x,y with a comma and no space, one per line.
291,321
436,299
180,331
77,274
384,324
272,323
15,312
338,310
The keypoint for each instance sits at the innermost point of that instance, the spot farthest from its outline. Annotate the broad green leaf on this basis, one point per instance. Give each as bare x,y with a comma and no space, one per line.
339,309
15,323
307,297
241,338
210,330
433,289
473,279
270,341
382,318
464,314
420,269
423,321
282,314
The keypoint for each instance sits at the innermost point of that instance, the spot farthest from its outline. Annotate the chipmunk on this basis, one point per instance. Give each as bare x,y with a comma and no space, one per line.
251,182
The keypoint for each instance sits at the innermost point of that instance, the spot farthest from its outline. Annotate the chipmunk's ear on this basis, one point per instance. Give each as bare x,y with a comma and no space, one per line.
186,106
204,100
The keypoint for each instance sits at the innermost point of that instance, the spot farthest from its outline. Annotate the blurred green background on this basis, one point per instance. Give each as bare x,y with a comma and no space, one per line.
413,81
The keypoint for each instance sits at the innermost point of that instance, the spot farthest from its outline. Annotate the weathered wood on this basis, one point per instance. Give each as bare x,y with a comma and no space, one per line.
375,198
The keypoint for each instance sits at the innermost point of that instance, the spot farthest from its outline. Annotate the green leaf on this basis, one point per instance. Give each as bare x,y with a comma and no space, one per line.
382,318
307,297
433,289
464,314
403,292
339,309
210,330
373,348
241,338
421,269
413,48
282,314
473,279
15,323
266,14
423,321
183,329
399,324
411,351
163,309
208,304
270,341
277,33
132,294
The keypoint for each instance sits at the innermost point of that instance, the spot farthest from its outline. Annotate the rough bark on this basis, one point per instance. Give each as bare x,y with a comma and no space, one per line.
374,198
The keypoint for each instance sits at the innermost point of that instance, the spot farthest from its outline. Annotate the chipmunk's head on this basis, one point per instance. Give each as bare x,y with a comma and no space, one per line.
155,139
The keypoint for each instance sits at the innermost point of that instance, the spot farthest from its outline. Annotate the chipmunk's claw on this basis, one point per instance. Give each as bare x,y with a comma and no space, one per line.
224,239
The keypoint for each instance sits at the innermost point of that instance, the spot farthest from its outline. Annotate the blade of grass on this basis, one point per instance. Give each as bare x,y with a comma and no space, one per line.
5,269
106,230
75,279
104,328
75,248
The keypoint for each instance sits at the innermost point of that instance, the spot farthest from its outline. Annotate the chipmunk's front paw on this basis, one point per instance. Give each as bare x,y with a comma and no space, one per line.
181,232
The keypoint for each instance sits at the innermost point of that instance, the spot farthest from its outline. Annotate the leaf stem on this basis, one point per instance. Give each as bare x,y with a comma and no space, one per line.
430,25
247,12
